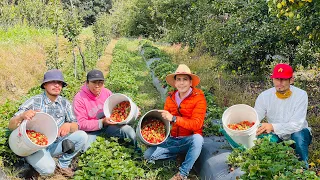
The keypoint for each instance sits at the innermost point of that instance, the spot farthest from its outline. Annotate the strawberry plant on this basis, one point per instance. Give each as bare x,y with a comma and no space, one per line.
162,67
7,157
107,159
270,160
151,52
213,112
128,75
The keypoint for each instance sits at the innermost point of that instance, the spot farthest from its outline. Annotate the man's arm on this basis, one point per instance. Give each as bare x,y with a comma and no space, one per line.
15,122
81,114
25,112
67,128
70,125
74,127
260,107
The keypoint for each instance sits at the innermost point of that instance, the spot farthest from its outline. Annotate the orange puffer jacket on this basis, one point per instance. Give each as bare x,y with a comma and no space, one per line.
190,114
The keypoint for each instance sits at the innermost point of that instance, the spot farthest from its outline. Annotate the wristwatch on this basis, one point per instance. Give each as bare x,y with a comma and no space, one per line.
174,119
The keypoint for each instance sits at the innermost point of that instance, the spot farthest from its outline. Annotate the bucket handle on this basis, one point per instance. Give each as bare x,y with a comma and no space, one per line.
24,124
230,140
19,131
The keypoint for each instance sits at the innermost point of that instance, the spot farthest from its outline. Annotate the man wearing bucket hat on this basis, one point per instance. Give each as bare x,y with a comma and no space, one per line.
185,108
285,108
60,109
88,107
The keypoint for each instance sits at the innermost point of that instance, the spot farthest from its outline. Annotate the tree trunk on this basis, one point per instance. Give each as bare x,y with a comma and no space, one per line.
83,60
75,63
57,51
57,38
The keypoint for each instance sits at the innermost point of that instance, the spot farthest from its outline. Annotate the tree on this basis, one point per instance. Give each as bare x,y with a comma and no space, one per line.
89,9
71,29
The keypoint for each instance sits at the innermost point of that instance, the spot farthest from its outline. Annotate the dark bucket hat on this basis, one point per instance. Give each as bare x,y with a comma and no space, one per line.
53,75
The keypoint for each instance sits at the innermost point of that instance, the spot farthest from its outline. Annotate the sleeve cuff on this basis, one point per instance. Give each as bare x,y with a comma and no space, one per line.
275,129
100,124
174,119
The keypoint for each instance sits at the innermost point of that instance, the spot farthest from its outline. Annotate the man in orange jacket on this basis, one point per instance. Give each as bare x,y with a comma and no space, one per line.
185,108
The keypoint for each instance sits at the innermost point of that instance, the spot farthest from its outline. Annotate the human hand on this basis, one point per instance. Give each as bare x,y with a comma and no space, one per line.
64,129
166,115
28,115
107,121
265,127
139,112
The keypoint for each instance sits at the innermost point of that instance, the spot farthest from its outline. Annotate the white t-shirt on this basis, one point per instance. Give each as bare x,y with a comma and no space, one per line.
287,116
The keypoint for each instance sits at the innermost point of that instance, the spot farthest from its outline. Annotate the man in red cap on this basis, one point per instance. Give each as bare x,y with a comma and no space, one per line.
285,108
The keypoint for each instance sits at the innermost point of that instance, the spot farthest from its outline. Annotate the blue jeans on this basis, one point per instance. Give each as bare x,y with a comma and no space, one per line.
169,149
42,160
303,139
124,131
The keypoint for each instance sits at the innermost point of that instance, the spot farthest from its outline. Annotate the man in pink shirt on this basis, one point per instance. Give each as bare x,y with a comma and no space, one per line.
88,108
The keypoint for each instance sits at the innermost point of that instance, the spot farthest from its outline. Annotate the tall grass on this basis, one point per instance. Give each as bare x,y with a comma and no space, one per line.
22,34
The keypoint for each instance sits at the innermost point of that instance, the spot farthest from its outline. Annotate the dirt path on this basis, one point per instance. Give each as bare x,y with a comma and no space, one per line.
105,61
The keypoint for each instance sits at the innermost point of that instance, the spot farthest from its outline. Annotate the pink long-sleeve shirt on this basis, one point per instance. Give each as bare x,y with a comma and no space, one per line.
87,106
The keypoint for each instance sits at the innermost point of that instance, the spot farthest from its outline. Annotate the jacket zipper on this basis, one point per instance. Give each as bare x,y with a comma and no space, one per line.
179,107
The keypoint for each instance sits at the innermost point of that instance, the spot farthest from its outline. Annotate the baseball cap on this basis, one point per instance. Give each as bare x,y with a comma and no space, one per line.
283,71
95,75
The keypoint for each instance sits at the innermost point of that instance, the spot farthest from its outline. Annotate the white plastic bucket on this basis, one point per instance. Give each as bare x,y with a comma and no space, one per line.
156,115
117,98
236,114
19,142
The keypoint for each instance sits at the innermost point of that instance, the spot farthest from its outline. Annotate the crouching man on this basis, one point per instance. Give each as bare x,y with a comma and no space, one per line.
60,109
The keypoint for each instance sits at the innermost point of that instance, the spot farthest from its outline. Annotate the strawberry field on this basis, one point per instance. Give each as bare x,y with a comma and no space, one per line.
232,45
109,157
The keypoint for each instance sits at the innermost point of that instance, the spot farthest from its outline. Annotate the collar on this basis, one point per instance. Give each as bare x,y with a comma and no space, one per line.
188,93
48,101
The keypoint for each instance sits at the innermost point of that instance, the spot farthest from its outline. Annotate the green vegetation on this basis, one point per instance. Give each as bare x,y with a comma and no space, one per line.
129,75
89,10
270,160
232,45
107,159
22,34
243,34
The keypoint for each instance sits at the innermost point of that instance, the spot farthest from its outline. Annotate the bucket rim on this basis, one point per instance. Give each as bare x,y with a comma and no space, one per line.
140,124
25,134
126,121
225,126
115,94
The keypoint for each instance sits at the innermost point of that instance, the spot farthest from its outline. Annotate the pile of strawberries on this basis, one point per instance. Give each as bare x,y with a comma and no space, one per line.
120,112
153,131
37,138
243,125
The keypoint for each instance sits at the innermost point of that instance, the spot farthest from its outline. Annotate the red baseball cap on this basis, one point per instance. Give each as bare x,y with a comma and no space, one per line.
283,71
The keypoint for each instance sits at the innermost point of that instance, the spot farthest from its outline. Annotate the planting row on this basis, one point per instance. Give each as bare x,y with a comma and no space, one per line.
110,157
